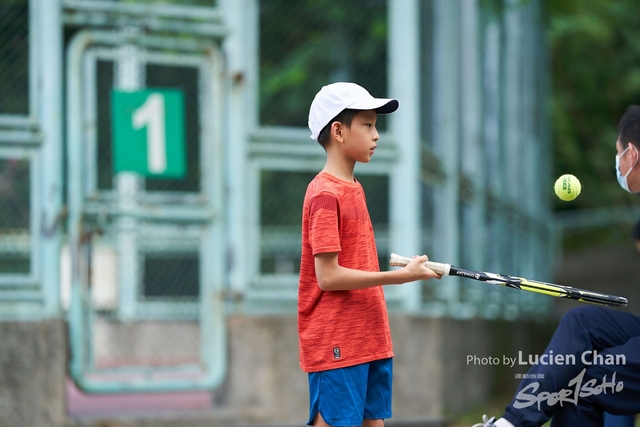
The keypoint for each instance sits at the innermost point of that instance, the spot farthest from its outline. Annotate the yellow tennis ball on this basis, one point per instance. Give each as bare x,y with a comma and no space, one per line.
567,187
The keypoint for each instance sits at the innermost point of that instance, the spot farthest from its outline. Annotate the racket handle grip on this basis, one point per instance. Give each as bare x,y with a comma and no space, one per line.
400,261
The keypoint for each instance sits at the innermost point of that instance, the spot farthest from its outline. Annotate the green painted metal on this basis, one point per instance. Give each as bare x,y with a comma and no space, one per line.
129,216
148,132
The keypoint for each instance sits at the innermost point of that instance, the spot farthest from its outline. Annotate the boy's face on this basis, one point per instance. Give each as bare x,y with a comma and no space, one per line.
360,140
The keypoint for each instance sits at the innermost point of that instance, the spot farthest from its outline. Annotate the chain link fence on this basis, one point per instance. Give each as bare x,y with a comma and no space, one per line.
210,3
282,195
15,172
186,79
144,276
14,57
482,92
15,215
144,289
305,45
464,136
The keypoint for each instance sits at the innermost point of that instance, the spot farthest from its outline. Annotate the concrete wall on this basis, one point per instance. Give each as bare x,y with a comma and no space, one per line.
265,384
431,376
613,269
32,373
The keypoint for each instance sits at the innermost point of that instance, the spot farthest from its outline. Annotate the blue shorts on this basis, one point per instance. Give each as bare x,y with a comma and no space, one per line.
346,396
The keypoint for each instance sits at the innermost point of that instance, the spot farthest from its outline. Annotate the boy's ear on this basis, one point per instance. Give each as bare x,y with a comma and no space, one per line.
337,131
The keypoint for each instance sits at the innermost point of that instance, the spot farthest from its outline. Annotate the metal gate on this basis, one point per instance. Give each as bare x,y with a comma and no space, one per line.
146,251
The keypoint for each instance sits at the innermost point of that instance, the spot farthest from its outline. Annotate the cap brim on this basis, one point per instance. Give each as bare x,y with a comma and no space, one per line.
381,105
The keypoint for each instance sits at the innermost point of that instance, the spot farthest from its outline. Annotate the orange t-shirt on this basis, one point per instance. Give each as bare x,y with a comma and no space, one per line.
339,328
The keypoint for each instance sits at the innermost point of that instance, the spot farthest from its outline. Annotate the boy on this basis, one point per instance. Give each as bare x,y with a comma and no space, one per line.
344,337
584,332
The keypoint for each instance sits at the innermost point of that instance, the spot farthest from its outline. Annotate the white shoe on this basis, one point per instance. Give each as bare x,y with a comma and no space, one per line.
486,422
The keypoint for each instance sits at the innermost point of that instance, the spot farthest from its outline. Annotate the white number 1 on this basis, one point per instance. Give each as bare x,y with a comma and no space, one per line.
151,115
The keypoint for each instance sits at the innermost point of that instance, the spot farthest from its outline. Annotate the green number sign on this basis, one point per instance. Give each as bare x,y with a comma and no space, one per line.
148,132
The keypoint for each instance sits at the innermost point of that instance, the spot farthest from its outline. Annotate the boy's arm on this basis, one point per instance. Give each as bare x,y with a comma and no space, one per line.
333,277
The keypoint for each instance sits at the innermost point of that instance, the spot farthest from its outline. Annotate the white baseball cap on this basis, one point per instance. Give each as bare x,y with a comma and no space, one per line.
334,98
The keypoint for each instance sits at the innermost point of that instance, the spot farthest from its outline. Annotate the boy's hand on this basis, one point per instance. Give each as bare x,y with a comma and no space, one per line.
333,277
417,269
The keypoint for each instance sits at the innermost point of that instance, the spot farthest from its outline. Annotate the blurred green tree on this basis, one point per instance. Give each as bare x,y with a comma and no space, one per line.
595,59
306,44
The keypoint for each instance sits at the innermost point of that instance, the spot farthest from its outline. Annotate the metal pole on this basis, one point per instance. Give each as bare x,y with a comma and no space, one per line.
50,112
404,84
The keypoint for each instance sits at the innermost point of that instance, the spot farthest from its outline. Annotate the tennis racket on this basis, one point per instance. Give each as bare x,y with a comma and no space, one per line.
518,283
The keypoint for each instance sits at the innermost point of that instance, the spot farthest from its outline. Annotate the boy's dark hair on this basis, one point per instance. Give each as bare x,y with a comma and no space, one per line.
629,126
345,117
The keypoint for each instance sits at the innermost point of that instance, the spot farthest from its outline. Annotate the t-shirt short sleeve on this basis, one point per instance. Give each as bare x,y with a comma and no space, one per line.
339,328
324,232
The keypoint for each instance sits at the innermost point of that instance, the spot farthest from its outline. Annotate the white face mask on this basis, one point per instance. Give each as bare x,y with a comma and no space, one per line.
622,179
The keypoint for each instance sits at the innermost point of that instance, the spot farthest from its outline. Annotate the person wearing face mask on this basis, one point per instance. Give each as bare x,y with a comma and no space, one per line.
626,125
591,365
627,146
